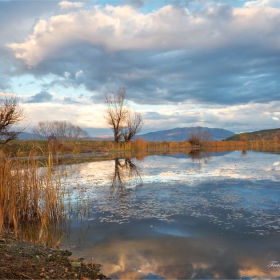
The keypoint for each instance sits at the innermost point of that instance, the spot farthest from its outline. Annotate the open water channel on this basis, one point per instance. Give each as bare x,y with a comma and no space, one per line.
213,215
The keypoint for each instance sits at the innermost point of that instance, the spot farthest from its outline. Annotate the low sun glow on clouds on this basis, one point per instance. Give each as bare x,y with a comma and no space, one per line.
68,5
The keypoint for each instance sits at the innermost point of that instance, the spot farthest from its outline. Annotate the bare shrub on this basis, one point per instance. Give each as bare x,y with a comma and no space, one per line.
198,137
59,130
11,114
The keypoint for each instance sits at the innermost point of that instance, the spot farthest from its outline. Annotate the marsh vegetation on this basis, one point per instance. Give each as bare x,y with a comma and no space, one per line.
30,197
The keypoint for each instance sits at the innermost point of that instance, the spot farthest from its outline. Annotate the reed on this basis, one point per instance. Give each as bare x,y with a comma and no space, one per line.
23,148
29,194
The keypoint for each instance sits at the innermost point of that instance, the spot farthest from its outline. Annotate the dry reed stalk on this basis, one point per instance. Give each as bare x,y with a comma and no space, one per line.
1,216
28,194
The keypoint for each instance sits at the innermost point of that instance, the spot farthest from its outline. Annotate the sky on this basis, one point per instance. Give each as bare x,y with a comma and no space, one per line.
184,62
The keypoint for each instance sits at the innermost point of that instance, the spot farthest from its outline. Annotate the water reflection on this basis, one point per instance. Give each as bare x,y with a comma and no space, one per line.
49,233
125,171
120,193
199,157
220,222
244,153
208,256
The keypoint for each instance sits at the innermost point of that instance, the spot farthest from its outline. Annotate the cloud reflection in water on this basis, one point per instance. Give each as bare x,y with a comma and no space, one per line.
214,225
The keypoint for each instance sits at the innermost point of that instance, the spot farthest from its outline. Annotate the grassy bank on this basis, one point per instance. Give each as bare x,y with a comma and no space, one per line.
26,148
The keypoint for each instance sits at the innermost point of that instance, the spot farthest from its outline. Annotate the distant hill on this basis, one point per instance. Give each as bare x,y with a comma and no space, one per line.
267,134
175,134
184,133
28,136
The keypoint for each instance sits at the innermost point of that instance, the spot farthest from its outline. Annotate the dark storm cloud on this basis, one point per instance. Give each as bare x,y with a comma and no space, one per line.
40,97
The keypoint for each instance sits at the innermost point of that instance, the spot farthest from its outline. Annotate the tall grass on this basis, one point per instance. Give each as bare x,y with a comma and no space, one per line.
29,194
23,148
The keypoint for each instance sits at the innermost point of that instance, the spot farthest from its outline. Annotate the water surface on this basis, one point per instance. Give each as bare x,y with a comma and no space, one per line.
178,217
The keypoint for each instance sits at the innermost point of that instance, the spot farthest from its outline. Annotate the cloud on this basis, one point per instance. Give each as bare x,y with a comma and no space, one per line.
69,5
136,3
86,116
218,55
262,3
40,97
224,76
117,29
234,118
216,66
69,100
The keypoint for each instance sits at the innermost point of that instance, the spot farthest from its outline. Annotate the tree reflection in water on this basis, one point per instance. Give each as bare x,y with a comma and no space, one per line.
199,157
125,172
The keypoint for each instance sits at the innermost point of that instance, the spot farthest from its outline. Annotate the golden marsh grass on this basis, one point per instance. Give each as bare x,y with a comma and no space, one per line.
29,195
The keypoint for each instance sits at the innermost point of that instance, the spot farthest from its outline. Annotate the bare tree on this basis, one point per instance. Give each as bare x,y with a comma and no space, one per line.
10,115
75,132
198,137
116,111
133,125
60,130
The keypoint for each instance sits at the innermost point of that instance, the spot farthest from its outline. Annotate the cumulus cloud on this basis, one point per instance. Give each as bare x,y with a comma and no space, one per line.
220,63
69,5
123,29
40,97
218,55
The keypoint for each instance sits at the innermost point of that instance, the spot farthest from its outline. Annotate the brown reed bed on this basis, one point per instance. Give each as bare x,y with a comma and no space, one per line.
23,148
29,195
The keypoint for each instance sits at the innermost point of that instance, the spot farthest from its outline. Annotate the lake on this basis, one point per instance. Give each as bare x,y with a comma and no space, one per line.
203,215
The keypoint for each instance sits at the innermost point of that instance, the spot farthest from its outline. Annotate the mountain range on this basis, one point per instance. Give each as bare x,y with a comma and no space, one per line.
184,133
175,134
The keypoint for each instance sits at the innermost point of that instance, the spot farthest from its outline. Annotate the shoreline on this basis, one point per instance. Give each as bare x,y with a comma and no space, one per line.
26,260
